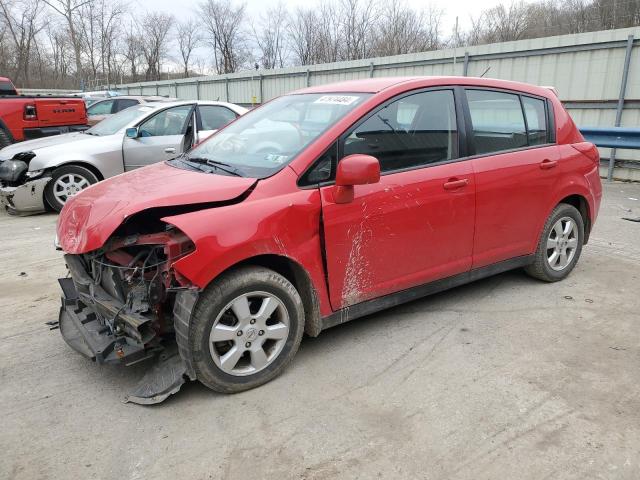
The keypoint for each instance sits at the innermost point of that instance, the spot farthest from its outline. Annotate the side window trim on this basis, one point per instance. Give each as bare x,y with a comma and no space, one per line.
463,138
459,124
199,114
551,138
526,122
184,127
302,180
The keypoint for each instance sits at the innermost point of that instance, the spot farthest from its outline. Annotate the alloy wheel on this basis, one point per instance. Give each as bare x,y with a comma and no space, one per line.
249,333
562,243
69,185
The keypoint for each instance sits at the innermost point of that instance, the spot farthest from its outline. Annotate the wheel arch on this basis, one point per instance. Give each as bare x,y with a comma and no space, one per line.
582,205
299,278
5,128
80,163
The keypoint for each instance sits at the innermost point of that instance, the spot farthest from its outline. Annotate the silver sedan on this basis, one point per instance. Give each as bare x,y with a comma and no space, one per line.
47,171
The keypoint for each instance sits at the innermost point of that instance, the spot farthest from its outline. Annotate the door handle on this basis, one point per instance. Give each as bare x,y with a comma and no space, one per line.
454,183
170,150
546,164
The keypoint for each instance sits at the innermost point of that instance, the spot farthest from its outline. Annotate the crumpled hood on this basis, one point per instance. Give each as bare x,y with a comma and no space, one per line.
46,142
88,219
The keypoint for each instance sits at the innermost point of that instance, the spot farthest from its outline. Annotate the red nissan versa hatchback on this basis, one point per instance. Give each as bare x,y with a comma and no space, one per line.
319,207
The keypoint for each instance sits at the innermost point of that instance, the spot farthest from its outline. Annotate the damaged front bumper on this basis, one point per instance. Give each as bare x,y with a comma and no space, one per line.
108,331
25,199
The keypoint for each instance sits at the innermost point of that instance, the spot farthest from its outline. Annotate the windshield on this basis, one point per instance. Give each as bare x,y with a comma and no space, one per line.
263,141
117,122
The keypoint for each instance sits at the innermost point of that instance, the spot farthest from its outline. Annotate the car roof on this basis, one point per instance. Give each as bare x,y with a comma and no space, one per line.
4,79
177,103
376,85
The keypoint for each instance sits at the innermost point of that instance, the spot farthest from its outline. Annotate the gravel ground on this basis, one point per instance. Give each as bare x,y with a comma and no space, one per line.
506,378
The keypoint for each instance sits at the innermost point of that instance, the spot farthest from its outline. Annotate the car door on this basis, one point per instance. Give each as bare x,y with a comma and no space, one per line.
416,224
212,118
161,136
515,166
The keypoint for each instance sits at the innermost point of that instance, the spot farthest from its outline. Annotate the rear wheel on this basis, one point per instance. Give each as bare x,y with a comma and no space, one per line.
5,138
245,329
66,182
560,245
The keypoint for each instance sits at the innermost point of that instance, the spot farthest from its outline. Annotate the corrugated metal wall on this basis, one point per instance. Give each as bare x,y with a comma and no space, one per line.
585,68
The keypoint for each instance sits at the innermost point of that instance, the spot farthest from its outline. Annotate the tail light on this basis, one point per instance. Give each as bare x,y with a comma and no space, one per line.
30,112
589,150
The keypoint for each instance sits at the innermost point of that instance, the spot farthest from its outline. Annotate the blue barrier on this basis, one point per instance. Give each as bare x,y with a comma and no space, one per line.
612,137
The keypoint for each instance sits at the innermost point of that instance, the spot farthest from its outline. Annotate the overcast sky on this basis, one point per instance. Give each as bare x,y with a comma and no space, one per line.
452,8
461,8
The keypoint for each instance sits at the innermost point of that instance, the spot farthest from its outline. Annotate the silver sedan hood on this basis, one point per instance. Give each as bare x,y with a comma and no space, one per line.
45,142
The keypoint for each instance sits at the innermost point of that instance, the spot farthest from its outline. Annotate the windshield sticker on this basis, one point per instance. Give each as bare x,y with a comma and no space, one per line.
274,158
337,99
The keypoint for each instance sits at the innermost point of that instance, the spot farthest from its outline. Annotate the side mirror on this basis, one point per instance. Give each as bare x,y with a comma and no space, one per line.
353,170
132,132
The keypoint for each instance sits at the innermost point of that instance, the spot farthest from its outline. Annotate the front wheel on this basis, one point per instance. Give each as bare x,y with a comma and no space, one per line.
67,181
559,246
245,329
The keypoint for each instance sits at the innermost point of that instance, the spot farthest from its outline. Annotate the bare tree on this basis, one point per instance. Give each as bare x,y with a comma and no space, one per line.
223,24
22,23
189,37
303,34
402,30
155,40
68,9
270,36
358,22
507,23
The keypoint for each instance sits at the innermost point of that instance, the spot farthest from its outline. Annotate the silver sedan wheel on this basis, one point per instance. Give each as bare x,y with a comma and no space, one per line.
249,333
562,243
69,185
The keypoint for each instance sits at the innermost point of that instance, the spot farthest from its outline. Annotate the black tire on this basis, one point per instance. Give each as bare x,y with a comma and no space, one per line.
5,138
210,305
541,268
76,170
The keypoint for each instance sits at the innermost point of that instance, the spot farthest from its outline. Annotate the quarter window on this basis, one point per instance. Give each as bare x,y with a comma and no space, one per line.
498,123
214,118
536,116
126,103
101,108
413,131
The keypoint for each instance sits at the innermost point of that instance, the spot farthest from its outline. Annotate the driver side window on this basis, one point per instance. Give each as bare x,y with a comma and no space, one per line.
172,121
415,130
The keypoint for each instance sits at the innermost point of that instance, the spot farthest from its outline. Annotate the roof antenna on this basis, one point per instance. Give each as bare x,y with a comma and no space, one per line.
483,73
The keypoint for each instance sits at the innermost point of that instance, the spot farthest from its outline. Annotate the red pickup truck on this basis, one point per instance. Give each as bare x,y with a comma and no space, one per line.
24,117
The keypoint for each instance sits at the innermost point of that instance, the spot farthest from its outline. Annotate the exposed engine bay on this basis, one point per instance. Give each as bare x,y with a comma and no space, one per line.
118,306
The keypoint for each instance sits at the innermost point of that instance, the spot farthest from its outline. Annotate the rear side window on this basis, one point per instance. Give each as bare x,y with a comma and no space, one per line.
497,119
125,103
413,131
101,108
536,115
214,118
6,88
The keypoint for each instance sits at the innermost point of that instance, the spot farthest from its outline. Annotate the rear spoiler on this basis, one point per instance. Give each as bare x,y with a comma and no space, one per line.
553,89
